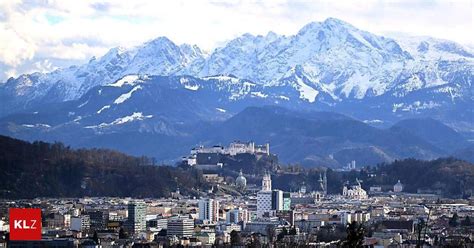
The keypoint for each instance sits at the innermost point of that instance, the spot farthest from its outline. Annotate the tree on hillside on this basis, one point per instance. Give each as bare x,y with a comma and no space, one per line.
453,222
355,235
235,238
282,234
466,221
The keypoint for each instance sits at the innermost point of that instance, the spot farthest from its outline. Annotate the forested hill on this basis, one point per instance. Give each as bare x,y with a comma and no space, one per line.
447,176
42,169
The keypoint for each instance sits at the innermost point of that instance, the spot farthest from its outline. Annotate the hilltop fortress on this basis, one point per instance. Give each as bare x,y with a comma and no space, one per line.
209,157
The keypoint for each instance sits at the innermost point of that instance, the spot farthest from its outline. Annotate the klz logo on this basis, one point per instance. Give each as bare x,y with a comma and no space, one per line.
25,224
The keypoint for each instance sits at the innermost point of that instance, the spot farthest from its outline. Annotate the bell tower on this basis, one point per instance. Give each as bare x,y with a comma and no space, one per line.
267,182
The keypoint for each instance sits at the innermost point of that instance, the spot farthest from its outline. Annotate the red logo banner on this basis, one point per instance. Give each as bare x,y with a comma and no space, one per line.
25,224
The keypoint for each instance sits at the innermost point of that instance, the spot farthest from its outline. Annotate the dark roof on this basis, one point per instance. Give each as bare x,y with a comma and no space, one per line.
398,224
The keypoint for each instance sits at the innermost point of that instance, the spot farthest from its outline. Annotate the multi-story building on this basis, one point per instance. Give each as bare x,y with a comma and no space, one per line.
277,200
237,215
99,219
286,201
80,223
160,223
57,220
136,217
264,197
209,210
180,226
269,201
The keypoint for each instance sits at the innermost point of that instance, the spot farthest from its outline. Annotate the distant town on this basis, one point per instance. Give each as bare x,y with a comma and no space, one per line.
234,212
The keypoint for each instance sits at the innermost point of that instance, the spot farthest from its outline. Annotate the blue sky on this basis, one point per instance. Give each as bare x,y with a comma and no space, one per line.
41,35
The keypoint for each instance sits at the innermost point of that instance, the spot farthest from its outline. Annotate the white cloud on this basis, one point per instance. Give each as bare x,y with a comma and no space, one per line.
44,66
70,30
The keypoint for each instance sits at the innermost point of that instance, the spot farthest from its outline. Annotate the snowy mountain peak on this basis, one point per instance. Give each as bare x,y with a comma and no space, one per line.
428,48
330,60
331,21
332,25
159,41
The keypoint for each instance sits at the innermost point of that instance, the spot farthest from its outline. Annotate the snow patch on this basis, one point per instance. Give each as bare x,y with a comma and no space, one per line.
191,87
103,108
415,106
222,78
36,125
129,79
83,104
376,121
126,96
187,84
136,116
259,94
77,119
306,92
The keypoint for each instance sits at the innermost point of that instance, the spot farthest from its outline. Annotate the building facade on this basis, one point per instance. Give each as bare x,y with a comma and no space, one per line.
209,210
398,187
180,226
136,222
264,197
354,192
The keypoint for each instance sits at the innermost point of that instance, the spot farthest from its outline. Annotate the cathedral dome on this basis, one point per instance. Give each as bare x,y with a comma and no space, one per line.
241,181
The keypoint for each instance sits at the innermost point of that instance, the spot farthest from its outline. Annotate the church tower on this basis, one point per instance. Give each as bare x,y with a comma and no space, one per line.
267,182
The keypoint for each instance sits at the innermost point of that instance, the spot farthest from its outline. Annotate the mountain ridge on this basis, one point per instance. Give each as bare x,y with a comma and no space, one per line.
333,56
177,93
165,116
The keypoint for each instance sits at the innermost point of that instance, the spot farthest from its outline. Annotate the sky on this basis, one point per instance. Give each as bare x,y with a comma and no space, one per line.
42,35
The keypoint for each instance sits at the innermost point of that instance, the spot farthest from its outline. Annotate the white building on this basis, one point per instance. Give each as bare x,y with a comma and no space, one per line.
398,187
357,216
3,226
180,226
264,197
354,192
267,182
209,210
241,181
351,165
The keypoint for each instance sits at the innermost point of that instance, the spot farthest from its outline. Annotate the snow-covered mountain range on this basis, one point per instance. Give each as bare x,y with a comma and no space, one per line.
331,59
164,116
163,88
